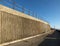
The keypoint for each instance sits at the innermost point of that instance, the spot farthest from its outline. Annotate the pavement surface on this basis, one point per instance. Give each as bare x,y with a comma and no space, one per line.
52,40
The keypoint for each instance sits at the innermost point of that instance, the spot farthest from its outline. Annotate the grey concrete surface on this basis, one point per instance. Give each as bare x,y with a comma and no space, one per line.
52,40
16,25
31,41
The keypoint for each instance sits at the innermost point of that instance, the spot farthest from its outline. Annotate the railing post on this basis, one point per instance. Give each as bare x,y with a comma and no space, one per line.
37,16
13,4
28,12
23,9
33,14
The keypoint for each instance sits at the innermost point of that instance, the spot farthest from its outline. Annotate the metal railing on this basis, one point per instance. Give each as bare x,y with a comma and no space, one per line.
18,29
14,5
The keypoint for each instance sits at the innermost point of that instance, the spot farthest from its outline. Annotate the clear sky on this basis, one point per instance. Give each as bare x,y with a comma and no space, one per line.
48,10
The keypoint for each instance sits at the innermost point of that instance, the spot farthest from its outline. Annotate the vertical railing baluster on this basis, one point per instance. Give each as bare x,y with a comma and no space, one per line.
36,15
23,9
33,14
13,4
28,12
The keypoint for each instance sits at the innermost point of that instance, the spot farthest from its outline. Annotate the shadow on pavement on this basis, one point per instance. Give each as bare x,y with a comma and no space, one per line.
51,41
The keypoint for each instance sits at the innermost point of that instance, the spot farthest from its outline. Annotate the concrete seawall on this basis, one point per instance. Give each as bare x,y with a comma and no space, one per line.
29,41
16,25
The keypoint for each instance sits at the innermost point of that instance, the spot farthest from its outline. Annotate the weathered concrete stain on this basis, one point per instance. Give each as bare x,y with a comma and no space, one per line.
16,25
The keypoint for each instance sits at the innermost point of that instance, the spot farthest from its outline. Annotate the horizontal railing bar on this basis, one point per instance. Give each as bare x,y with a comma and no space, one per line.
14,5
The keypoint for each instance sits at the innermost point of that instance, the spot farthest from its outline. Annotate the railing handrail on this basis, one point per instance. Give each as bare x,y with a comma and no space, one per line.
16,6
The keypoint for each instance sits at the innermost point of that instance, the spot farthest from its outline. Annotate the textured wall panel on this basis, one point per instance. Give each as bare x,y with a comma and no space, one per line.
16,27
0,26
11,27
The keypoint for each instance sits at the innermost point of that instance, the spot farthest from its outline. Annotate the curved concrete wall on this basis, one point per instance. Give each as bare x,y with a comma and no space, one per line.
15,26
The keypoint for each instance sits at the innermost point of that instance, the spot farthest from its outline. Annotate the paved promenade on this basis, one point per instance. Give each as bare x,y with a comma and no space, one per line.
52,40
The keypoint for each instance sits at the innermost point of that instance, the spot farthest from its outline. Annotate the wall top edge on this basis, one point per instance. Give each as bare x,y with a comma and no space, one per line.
18,13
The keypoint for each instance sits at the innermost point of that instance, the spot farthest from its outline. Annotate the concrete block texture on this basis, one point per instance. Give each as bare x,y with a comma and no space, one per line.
14,26
0,26
30,41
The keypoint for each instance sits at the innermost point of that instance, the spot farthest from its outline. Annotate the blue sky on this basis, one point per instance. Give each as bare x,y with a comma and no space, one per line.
48,10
